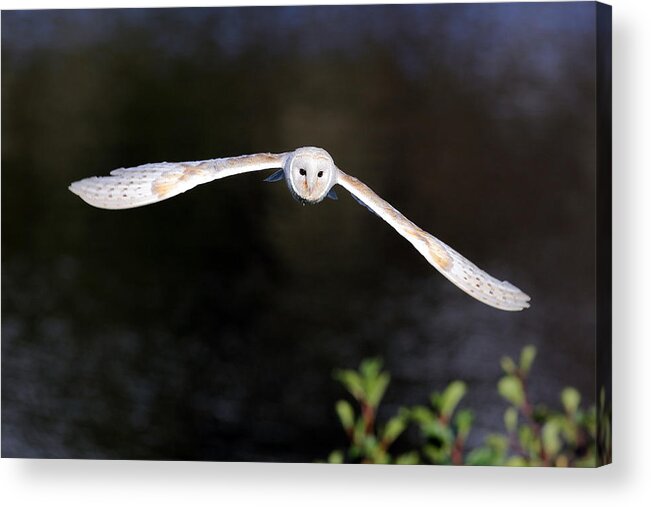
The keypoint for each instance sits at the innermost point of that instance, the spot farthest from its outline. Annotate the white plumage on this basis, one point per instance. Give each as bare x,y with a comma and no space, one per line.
310,174
149,183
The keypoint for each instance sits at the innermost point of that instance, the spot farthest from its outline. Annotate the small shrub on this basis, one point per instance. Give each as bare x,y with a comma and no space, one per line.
533,434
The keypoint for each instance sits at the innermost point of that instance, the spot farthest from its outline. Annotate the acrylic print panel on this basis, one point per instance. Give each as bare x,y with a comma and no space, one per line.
225,321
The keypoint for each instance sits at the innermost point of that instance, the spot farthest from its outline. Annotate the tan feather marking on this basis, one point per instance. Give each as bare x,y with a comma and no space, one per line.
438,253
191,172
259,158
165,184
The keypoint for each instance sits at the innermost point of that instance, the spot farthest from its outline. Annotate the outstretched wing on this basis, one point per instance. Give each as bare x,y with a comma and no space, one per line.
149,183
451,264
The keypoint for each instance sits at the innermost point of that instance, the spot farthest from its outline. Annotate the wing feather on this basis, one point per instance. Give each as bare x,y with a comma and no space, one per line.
450,263
145,184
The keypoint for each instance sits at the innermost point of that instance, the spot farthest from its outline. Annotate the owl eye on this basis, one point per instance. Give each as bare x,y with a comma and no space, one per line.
320,173
301,171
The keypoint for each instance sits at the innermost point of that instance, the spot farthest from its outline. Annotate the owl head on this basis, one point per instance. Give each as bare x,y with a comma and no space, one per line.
310,174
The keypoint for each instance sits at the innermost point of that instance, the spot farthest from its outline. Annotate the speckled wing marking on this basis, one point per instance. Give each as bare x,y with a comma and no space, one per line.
149,183
450,263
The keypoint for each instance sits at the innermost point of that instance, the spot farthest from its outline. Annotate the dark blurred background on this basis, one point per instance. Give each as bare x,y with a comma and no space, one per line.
207,327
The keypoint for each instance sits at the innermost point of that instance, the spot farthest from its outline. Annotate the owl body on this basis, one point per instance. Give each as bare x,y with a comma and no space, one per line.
310,174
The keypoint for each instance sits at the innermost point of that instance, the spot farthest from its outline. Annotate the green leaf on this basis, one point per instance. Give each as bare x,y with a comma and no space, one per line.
589,421
352,382
588,461
499,443
336,457
571,400
435,399
508,365
482,456
394,427
381,458
551,437
463,422
569,430
409,458
527,356
346,414
370,368
510,388
435,455
369,445
422,415
451,398
516,461
376,388
439,432
354,452
527,439
511,419
492,453
359,431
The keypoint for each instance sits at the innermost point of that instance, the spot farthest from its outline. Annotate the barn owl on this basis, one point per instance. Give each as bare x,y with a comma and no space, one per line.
310,174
